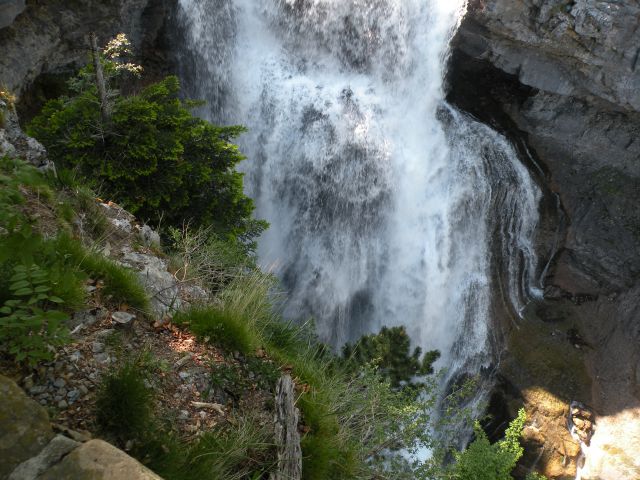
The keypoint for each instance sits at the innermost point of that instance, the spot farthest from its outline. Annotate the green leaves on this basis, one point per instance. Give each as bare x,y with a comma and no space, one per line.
485,461
29,327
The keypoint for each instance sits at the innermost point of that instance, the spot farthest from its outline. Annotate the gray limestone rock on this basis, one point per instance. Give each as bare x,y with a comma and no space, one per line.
98,460
9,10
157,281
562,78
49,456
24,427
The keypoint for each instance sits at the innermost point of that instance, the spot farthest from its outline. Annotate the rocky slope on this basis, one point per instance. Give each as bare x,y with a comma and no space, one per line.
561,78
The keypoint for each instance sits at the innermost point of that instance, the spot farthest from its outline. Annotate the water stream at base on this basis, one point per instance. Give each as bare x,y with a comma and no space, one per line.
387,206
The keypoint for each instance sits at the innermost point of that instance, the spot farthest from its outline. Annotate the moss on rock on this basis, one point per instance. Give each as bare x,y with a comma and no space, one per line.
24,427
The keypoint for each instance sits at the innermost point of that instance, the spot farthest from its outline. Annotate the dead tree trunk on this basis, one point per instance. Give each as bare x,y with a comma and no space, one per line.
100,83
286,430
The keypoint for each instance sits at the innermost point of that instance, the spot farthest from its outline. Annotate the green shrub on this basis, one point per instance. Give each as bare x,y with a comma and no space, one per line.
390,352
485,461
120,283
38,285
78,202
202,256
124,404
153,156
29,327
16,176
238,317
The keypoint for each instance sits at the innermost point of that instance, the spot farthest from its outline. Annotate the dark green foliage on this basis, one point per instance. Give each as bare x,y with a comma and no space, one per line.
28,324
154,157
124,404
25,247
78,202
236,379
14,176
121,284
390,352
37,281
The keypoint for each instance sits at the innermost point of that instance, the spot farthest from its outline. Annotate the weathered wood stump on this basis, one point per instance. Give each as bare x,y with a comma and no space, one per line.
286,432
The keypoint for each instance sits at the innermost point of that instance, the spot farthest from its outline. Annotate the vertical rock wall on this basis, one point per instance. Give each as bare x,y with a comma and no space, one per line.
50,37
563,78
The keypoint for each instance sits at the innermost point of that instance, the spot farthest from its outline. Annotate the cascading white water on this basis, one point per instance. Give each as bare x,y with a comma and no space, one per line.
387,206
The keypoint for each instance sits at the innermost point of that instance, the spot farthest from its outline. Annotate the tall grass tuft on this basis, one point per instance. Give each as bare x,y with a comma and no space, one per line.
124,404
238,450
237,319
121,283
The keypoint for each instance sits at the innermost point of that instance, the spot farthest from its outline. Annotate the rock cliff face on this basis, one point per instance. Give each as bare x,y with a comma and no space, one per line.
50,37
562,79
29,448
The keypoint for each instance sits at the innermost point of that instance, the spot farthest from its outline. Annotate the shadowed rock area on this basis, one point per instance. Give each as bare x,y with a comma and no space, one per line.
44,42
561,78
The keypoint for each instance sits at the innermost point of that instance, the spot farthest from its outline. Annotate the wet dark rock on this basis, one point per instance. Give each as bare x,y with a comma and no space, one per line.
560,79
581,422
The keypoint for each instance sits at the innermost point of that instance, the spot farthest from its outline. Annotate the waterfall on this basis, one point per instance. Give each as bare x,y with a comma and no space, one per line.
387,206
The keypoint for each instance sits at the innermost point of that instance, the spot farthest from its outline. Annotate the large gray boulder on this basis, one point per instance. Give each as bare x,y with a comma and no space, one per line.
9,10
98,460
50,455
24,427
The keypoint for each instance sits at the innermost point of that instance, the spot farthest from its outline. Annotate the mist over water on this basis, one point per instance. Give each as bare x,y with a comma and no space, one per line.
387,206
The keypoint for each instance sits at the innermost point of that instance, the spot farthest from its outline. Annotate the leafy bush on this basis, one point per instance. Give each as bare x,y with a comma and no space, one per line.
238,317
36,279
16,176
202,256
120,283
124,404
27,327
485,461
153,156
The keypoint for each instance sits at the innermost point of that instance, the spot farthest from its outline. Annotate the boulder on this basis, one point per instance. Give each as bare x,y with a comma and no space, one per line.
49,456
98,460
24,427
9,10
148,236
161,286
